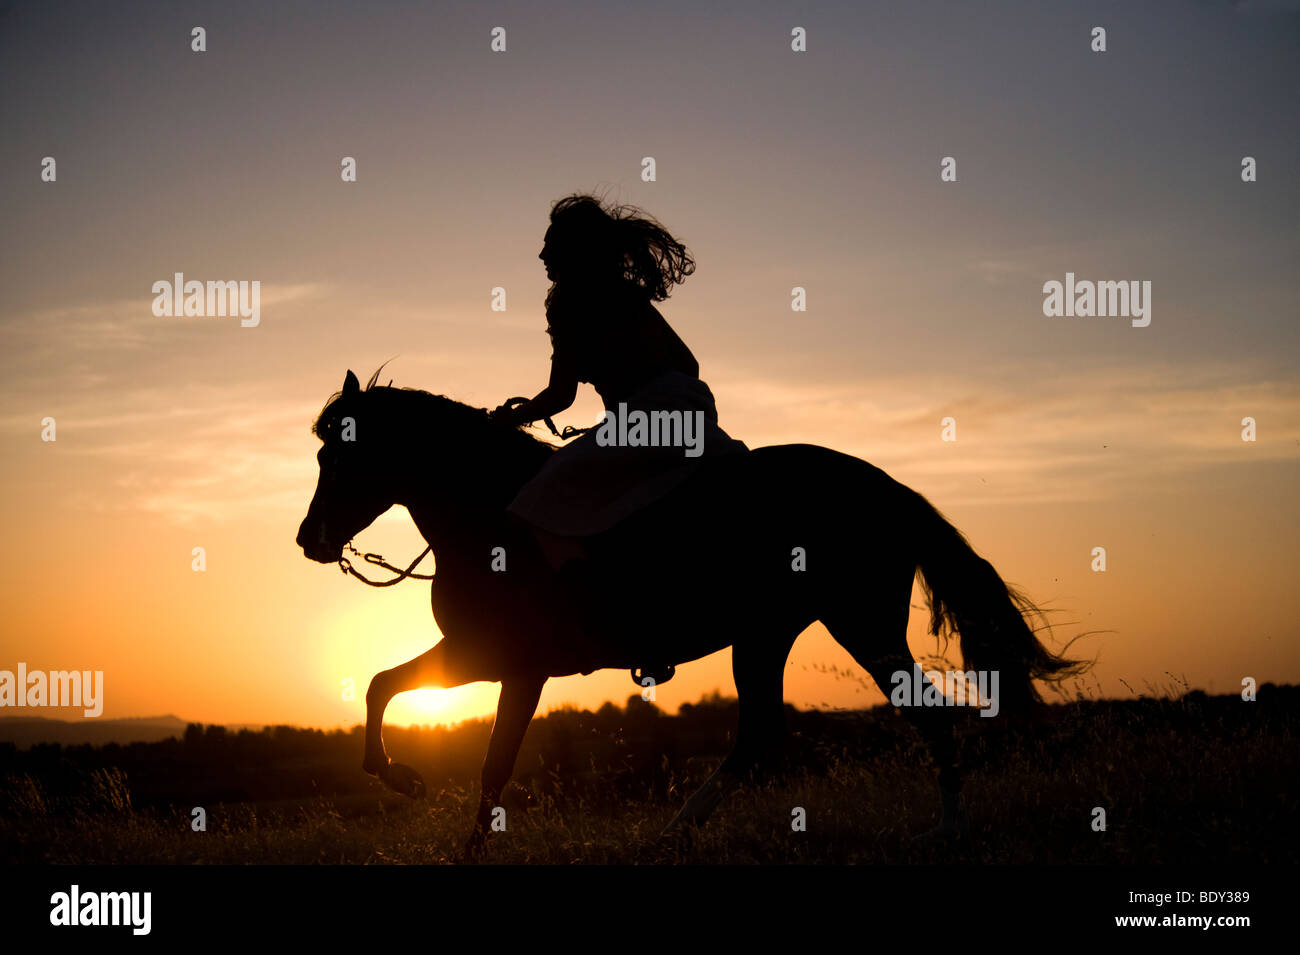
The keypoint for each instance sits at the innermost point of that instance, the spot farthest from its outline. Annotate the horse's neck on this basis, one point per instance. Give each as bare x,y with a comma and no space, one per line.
463,517
454,536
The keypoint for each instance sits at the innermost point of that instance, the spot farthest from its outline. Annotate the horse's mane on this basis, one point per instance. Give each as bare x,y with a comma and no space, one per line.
411,413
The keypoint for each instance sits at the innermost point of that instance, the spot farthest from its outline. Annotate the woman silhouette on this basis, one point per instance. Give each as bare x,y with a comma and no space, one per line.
607,267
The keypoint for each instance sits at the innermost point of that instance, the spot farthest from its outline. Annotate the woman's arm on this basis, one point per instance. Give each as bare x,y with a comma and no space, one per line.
557,396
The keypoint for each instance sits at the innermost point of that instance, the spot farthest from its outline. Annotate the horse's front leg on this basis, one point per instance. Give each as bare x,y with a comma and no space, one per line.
515,709
428,669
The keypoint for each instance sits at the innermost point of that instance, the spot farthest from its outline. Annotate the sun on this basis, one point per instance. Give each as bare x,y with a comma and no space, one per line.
429,706
428,700
442,705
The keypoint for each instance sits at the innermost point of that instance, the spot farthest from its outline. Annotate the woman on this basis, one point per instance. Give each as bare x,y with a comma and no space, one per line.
607,267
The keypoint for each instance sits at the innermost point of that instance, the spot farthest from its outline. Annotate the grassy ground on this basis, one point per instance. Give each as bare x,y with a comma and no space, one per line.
1189,780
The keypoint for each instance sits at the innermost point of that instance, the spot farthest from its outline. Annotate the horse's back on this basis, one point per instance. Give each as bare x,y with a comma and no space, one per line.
773,486
783,524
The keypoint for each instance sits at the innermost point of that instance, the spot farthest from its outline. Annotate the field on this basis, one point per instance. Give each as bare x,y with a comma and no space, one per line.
1186,779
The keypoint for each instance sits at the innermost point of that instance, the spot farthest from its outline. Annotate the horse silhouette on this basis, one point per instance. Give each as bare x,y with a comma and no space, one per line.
707,567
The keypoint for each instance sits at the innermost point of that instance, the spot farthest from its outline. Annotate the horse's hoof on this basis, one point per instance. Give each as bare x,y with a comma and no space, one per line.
403,779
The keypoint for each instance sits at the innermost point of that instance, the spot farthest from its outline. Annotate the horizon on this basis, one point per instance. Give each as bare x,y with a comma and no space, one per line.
79,731
710,697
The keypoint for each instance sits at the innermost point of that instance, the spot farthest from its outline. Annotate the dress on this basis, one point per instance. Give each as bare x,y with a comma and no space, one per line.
664,420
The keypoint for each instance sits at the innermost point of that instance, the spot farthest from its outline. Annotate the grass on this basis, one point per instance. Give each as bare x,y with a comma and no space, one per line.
1187,779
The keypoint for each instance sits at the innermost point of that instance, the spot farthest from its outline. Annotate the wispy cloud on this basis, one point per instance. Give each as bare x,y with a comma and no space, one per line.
123,325
1047,435
224,446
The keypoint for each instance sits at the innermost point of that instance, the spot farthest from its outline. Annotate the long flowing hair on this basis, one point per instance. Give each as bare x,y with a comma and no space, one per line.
622,242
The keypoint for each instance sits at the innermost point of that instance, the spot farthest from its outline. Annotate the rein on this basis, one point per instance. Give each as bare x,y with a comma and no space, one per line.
345,565
569,430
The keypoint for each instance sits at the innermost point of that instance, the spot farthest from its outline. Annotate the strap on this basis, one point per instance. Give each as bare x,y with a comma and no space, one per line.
569,430
345,565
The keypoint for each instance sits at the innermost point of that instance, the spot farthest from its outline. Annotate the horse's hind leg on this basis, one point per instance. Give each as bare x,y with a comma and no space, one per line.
880,646
759,670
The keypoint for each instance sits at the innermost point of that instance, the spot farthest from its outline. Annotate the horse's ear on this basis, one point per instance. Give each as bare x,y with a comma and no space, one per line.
351,385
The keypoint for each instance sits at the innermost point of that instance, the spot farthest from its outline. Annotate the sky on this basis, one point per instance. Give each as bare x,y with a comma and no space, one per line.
817,169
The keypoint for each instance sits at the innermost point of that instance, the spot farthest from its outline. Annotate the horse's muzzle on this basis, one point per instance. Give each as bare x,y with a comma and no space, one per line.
318,546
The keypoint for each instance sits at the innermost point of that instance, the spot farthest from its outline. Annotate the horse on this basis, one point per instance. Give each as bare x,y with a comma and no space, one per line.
748,552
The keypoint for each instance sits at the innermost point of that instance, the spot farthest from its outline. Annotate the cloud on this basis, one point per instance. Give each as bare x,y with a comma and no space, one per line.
1055,435
124,325
217,445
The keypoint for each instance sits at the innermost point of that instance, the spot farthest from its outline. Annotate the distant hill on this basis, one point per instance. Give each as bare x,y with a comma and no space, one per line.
24,731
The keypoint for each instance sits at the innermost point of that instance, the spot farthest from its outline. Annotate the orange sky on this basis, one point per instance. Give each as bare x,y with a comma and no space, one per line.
924,302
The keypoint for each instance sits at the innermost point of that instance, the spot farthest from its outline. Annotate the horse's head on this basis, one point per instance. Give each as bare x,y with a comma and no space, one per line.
383,446
350,491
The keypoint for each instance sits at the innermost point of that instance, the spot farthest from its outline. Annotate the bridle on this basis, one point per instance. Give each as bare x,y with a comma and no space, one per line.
569,430
345,565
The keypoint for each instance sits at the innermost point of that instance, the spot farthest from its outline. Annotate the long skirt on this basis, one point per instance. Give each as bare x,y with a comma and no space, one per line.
642,450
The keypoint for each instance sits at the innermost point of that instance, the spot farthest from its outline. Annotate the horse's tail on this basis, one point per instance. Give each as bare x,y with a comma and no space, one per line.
969,598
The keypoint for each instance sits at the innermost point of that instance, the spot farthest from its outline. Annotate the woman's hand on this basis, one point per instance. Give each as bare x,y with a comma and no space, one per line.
507,412
547,403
